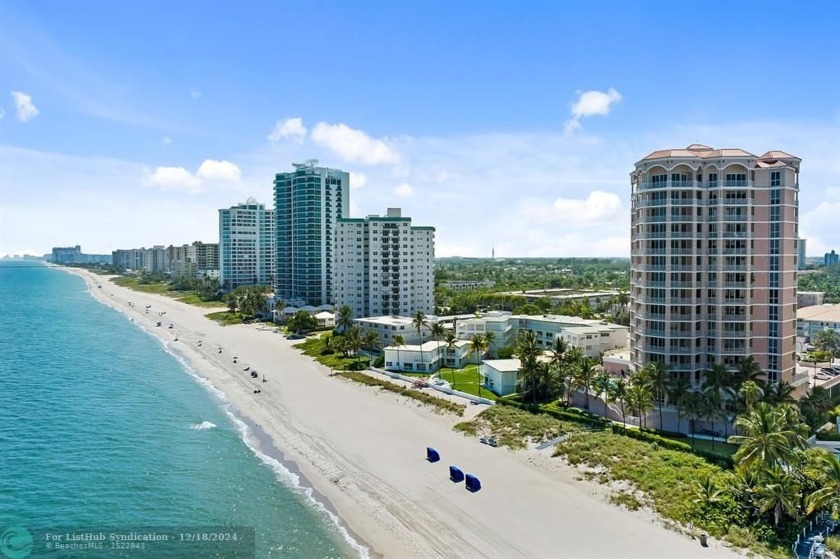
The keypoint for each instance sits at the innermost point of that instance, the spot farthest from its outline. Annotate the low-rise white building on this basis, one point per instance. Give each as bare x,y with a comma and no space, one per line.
592,336
812,320
428,358
325,319
501,376
389,326
809,298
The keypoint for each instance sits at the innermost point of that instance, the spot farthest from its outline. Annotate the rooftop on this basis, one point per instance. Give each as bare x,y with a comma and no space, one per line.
768,159
820,313
503,364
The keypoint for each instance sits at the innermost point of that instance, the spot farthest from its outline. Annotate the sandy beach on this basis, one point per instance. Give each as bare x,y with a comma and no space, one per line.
363,451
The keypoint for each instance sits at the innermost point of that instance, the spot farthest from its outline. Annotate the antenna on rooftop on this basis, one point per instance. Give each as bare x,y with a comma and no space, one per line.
311,162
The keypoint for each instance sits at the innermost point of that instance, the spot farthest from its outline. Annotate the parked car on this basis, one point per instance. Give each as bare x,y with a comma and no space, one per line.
823,376
489,441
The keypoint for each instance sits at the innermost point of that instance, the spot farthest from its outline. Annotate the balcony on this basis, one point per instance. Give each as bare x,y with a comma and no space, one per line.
654,219
734,267
742,251
651,203
682,284
651,300
681,334
733,217
684,235
651,332
682,217
734,234
735,201
735,183
683,350
688,251
734,318
682,300
682,267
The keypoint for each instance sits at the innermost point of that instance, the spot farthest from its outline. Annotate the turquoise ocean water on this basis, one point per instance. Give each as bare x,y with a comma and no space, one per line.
101,428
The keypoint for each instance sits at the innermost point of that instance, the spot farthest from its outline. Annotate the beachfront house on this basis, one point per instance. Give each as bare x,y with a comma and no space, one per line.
434,355
500,375
325,319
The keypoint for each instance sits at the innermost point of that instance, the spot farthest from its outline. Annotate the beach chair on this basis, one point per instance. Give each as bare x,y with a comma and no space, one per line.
432,455
455,474
472,484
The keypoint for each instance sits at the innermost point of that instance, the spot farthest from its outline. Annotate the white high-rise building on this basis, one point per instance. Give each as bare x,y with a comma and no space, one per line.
246,245
384,266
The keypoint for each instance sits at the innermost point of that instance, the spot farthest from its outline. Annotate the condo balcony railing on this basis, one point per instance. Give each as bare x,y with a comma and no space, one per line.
655,219
736,183
651,203
651,300
682,217
683,350
651,332
683,234
735,251
685,201
682,267
651,235
683,251
735,234
682,284
682,334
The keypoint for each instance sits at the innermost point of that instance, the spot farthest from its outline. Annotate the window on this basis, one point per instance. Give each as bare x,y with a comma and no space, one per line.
775,178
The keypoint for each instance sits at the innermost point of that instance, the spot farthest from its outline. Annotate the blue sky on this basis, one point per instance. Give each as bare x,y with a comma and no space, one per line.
505,124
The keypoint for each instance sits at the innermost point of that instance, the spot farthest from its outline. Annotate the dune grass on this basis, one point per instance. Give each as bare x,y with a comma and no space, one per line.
515,428
159,288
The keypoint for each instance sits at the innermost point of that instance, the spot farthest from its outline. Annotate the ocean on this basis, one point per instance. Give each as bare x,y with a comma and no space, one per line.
103,432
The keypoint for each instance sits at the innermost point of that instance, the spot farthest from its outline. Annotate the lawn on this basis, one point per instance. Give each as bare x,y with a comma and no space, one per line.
466,380
188,297
721,448
313,346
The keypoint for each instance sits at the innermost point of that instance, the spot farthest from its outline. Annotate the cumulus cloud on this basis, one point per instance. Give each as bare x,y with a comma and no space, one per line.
214,170
353,145
291,128
599,206
179,178
403,190
357,180
591,103
26,109
175,178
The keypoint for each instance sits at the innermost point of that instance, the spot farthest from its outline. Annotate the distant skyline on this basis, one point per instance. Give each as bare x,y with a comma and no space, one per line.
503,125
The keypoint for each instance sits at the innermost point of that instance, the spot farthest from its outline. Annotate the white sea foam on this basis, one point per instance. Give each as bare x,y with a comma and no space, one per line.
283,474
203,425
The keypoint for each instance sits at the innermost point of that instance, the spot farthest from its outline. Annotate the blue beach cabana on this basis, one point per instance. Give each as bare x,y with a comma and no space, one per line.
455,474
472,484
432,455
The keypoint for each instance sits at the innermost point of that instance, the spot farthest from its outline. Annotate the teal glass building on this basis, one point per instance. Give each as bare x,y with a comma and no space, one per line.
307,203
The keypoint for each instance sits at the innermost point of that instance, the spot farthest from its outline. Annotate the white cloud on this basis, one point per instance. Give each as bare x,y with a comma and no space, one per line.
591,103
175,178
194,93
167,140
26,109
2,113
598,207
214,170
291,128
403,190
353,145
357,180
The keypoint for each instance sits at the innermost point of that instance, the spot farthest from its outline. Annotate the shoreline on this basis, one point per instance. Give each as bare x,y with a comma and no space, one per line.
254,437
362,452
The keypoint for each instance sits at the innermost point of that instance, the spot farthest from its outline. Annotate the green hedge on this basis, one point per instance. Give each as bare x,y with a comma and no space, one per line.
828,436
670,444
571,414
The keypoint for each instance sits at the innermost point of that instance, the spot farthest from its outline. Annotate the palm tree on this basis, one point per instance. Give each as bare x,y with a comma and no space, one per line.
779,393
573,357
779,493
353,339
602,383
618,393
451,342
587,368
477,347
527,350
748,370
751,393
399,342
705,490
827,496
717,386
657,372
418,321
371,339
558,355
677,390
694,404
489,337
640,398
766,441
344,319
